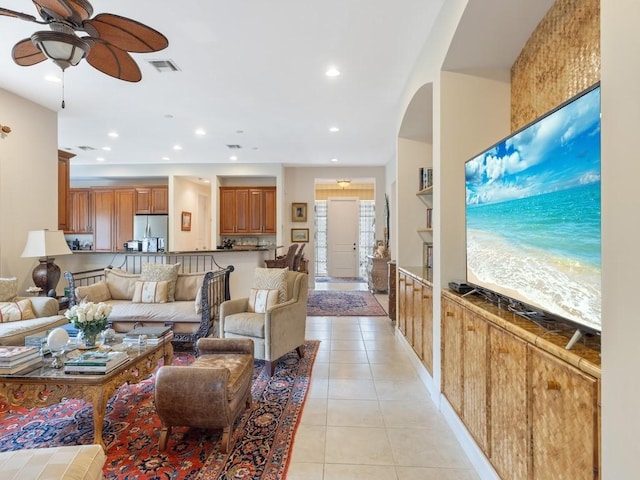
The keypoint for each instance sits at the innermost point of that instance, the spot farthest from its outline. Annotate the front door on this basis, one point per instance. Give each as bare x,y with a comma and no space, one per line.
342,237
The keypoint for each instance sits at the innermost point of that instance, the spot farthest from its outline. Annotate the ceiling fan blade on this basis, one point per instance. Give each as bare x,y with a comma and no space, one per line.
25,53
113,61
22,16
74,11
125,33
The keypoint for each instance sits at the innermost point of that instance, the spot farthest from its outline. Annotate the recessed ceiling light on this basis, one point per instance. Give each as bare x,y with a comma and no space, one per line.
233,158
177,147
106,149
332,72
201,132
334,129
166,158
334,160
52,78
100,159
113,134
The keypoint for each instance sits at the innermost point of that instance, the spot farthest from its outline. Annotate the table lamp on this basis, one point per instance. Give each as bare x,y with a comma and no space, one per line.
46,244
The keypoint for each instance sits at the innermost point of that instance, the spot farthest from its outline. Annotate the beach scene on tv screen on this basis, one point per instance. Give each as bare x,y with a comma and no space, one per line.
533,214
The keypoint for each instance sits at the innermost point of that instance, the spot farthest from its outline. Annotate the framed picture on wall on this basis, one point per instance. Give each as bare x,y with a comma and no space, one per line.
298,212
186,222
299,234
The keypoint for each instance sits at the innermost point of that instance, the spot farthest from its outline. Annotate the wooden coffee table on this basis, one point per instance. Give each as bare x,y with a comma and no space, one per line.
47,386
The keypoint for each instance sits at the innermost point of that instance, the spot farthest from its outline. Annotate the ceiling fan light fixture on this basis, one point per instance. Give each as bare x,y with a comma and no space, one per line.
344,183
62,48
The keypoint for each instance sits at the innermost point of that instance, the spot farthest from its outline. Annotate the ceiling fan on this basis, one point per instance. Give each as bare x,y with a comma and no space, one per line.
106,48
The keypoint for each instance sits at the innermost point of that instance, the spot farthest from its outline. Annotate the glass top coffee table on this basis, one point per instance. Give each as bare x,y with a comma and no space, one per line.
47,386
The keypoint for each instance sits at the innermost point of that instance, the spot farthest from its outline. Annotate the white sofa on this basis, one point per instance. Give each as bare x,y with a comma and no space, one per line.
192,310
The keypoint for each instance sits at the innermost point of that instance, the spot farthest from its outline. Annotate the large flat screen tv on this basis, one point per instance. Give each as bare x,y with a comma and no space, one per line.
533,215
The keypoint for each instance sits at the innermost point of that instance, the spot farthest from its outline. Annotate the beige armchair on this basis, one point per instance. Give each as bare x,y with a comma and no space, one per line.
277,331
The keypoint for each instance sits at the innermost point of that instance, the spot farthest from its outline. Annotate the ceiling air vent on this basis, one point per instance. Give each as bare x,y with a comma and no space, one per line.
86,148
164,66
234,147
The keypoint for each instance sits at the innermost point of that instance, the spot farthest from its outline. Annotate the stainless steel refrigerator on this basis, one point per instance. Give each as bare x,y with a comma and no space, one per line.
152,226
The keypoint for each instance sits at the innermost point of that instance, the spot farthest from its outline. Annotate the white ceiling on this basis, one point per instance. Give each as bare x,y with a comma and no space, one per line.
251,74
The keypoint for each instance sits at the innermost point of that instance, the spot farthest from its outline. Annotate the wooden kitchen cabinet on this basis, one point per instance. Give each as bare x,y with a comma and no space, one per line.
80,211
247,210
152,200
113,211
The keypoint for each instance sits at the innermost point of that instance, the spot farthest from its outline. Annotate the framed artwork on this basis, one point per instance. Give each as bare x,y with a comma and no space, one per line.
299,234
186,222
298,212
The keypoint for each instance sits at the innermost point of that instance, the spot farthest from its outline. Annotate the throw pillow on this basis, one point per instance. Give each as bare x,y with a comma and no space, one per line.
98,292
261,300
188,285
157,272
151,292
121,284
20,310
272,279
8,289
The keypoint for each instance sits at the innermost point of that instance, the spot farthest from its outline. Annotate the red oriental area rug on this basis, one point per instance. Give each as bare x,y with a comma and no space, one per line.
261,441
331,303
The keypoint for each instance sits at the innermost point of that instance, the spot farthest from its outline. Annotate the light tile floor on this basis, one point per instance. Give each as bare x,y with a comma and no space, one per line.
367,415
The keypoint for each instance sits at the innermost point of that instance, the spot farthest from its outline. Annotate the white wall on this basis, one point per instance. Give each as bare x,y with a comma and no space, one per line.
28,181
620,43
184,198
410,210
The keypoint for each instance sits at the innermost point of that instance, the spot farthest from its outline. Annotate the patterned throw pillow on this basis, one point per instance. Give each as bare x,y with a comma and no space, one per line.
98,292
272,279
261,300
8,289
157,272
20,310
151,292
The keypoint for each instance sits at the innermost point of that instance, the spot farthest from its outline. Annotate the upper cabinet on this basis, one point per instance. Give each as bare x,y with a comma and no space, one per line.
64,160
80,213
150,200
247,210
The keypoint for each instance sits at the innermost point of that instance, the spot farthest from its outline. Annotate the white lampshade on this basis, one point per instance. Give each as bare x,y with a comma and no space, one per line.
63,48
46,243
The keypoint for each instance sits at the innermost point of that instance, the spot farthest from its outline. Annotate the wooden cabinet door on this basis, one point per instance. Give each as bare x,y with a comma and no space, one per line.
417,320
427,327
509,442
243,214
409,283
256,209
402,302
124,210
452,358
269,202
143,200
103,203
64,159
160,200
227,211
475,374
563,416
80,208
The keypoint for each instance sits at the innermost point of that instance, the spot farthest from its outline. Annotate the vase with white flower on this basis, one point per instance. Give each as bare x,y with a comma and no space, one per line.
90,319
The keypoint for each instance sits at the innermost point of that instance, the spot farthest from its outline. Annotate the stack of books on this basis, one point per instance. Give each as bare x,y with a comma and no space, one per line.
95,363
19,359
152,335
